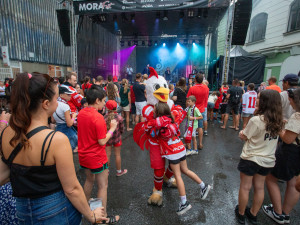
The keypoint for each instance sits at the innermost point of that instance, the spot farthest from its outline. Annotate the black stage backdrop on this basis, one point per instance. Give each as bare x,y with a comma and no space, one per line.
247,68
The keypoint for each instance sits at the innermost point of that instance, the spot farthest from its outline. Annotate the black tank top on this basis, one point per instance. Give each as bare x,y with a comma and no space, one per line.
33,181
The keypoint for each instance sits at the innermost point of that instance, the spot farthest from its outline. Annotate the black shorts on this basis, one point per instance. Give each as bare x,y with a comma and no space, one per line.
133,109
97,170
177,160
223,108
287,161
215,110
234,107
251,168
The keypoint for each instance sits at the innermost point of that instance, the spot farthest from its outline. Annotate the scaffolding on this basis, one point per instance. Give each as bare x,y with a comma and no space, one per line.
229,29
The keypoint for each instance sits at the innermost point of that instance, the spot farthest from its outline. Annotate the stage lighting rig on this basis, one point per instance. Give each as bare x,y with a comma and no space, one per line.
124,18
136,42
157,15
143,43
115,17
122,43
200,13
181,14
129,43
132,17
150,43
155,43
190,13
103,17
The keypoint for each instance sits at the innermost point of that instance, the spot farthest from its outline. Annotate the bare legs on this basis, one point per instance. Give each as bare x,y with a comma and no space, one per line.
117,151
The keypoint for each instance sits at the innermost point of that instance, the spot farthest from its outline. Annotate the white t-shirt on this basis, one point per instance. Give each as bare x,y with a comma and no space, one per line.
249,101
2,91
212,98
294,125
59,114
287,109
260,146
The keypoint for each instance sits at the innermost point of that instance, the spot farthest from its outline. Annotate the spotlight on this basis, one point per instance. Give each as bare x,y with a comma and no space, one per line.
194,43
200,13
155,43
136,43
205,13
164,44
124,18
165,17
190,13
132,17
129,43
181,14
177,44
157,15
103,17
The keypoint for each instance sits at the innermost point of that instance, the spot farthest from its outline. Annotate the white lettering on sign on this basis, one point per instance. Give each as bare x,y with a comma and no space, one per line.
95,6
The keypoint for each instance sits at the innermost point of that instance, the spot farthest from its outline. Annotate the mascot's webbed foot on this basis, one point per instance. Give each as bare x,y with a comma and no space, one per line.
156,198
170,182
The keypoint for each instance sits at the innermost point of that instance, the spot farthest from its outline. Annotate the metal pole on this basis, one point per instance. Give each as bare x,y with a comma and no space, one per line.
74,38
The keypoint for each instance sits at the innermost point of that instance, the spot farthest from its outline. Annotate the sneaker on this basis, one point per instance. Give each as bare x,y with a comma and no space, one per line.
269,211
240,218
188,152
183,208
204,191
194,152
122,172
205,132
252,219
286,218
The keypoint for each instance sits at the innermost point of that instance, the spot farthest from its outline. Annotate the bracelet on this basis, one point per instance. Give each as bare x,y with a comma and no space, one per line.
111,132
95,217
3,121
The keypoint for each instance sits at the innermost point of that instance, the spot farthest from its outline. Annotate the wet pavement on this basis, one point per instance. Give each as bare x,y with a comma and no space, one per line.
215,164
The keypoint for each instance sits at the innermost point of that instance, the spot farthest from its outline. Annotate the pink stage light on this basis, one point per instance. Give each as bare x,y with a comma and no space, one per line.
188,70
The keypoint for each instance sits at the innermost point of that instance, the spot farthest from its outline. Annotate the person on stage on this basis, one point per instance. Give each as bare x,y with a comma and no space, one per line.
129,72
168,74
194,71
146,70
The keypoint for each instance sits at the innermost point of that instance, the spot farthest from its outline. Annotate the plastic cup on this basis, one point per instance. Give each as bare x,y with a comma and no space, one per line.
95,203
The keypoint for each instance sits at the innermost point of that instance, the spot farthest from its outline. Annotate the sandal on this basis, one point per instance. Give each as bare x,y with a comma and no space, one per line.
112,220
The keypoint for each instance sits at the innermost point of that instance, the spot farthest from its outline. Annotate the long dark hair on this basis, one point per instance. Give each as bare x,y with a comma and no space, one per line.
182,84
28,92
163,109
270,107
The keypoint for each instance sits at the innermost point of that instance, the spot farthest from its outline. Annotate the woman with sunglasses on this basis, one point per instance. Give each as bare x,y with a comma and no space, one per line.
39,161
287,166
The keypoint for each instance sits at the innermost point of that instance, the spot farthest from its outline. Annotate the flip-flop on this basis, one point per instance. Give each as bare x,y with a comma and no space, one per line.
232,127
224,128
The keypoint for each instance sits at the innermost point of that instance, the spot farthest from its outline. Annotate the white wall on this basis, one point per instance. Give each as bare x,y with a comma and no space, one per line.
278,18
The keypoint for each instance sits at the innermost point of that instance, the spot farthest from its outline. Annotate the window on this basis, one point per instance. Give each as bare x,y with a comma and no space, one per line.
258,27
294,20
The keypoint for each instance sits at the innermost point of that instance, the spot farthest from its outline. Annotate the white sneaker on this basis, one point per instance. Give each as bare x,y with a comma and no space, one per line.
194,152
188,152
183,208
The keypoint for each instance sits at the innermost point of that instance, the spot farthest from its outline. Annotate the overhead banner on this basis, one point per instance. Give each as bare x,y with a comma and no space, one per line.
115,6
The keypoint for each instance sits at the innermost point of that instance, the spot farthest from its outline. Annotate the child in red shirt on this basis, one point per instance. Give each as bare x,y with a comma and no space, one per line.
116,139
166,131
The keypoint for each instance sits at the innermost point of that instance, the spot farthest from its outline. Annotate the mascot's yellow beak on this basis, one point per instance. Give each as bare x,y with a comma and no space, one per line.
162,94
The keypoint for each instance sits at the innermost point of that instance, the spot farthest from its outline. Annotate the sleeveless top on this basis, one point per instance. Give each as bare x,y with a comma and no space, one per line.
33,181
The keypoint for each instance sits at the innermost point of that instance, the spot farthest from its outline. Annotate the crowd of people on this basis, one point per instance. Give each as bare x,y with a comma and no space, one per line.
93,114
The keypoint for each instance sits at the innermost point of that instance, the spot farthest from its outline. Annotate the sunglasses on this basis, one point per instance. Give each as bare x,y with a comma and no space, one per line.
291,93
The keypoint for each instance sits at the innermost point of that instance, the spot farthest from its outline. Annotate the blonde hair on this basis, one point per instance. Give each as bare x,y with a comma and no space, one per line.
125,83
171,86
145,76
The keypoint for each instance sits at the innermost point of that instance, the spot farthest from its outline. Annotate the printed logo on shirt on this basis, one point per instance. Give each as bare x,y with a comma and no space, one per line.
268,136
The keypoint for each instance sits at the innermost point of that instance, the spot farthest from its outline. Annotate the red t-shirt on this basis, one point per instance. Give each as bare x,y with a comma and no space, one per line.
201,92
218,102
225,89
91,128
132,96
87,85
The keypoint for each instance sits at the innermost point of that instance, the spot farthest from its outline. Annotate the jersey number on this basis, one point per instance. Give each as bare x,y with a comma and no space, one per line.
251,103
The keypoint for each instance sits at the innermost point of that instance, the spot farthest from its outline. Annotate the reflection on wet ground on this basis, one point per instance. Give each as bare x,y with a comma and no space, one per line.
215,164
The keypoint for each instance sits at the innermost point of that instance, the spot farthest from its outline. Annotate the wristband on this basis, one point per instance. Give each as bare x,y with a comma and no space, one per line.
111,132
3,121
73,119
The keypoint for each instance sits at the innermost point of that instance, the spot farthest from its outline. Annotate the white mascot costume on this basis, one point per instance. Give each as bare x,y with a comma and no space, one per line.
156,90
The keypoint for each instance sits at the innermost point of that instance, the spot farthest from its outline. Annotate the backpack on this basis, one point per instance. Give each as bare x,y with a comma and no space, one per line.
235,95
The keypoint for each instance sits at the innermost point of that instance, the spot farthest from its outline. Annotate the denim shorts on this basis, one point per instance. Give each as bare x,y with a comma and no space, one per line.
210,105
70,132
204,114
200,123
52,209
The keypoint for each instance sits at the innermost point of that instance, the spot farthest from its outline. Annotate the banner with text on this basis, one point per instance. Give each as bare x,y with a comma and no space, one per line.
115,6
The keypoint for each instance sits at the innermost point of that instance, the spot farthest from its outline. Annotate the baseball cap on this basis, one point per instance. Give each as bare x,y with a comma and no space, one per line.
63,89
115,79
111,105
290,77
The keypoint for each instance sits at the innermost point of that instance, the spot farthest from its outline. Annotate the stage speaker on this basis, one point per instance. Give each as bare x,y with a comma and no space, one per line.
64,25
242,16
